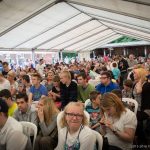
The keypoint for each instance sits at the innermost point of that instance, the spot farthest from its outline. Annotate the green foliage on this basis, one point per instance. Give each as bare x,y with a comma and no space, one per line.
69,55
124,39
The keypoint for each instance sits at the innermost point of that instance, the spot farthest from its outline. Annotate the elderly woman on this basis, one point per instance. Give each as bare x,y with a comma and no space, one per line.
74,133
118,123
47,114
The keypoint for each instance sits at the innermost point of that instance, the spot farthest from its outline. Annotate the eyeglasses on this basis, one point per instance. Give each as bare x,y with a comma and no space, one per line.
74,115
103,77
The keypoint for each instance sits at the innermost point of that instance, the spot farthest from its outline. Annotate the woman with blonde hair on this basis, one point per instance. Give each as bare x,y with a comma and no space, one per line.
139,78
140,89
118,123
47,114
74,134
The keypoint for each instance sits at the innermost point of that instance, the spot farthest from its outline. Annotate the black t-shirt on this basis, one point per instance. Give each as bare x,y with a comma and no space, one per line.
5,73
57,92
145,102
68,93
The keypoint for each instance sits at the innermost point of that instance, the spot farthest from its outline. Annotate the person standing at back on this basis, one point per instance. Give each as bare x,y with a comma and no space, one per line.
40,67
6,69
123,67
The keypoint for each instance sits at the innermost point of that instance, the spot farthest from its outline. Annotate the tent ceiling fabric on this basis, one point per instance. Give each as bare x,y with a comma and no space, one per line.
71,25
13,11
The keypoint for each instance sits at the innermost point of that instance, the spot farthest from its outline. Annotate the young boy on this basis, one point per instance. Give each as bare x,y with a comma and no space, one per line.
37,90
93,108
127,91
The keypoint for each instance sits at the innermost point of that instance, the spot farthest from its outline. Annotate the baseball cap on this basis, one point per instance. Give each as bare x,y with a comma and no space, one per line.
3,106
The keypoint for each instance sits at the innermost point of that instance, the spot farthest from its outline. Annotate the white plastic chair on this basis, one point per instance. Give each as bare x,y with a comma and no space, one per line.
86,102
34,104
99,140
131,101
29,129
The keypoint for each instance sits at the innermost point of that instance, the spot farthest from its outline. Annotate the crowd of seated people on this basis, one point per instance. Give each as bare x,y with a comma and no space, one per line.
68,109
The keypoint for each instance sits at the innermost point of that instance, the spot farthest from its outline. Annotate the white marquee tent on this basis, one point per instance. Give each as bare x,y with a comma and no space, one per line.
71,25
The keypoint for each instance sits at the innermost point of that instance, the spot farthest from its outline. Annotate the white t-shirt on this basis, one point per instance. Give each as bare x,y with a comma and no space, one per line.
86,137
40,68
11,133
5,85
127,120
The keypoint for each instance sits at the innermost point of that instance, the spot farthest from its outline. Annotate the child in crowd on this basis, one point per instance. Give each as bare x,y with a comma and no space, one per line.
93,108
116,72
127,91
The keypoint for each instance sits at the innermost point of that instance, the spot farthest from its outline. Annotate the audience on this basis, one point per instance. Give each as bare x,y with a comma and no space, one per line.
140,78
93,108
74,132
10,131
118,124
127,89
106,84
6,95
116,72
6,69
40,67
37,90
13,84
26,83
123,67
49,81
4,83
25,112
84,88
68,89
55,92
47,114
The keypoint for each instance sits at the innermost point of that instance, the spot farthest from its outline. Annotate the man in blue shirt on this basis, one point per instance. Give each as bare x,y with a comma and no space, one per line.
106,84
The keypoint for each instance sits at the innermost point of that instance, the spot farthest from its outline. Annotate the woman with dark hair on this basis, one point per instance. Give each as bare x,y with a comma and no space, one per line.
118,123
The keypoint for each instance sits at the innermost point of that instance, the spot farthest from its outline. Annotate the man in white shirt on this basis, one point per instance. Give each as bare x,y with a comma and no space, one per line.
40,67
10,131
4,83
